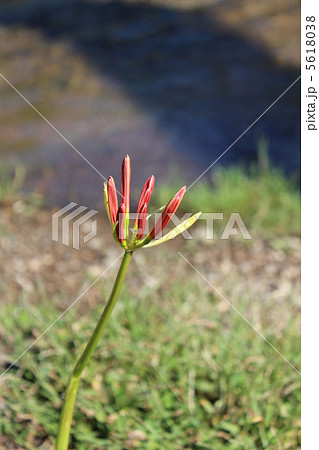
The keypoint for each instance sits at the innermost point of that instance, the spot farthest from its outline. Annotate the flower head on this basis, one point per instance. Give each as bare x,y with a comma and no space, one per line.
119,215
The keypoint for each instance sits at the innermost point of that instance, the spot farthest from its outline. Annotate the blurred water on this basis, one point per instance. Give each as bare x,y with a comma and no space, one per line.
171,86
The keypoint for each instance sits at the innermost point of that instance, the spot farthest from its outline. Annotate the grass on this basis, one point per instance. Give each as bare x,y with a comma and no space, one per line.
267,201
11,186
10,182
173,371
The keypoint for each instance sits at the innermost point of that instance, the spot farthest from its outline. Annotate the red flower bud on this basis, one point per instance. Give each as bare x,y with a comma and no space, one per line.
131,240
125,183
141,221
149,185
145,196
170,209
112,199
120,228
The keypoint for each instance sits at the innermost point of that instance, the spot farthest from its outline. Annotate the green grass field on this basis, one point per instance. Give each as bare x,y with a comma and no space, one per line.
268,202
164,376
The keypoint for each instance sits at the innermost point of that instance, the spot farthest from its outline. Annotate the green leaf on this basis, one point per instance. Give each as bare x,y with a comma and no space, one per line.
115,235
106,202
175,231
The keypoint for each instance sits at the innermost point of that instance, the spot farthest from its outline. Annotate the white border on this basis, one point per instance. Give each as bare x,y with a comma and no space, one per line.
310,245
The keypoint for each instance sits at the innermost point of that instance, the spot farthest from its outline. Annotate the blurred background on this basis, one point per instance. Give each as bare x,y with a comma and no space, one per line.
173,83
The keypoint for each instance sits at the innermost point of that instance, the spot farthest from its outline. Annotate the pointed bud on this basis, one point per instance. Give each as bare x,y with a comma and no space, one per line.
125,183
141,221
112,199
151,182
149,185
146,199
145,196
170,209
121,223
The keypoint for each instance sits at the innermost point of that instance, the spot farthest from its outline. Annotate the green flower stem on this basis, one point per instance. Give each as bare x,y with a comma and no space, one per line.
73,384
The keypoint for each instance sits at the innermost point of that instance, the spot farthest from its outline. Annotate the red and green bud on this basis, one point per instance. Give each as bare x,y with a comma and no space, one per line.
169,210
119,216
112,200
